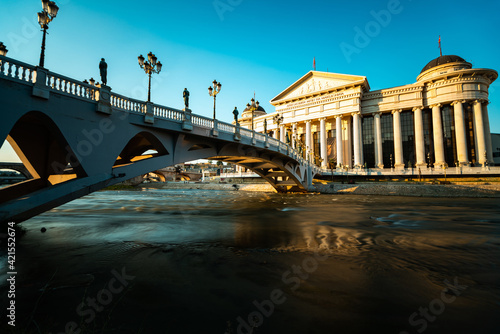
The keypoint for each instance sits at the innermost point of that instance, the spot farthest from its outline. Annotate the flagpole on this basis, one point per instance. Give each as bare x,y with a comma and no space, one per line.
440,49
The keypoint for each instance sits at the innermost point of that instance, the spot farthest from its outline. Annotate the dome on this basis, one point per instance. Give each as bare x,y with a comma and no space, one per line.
441,61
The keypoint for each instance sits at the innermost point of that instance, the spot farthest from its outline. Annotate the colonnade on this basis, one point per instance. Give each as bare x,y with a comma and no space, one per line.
483,146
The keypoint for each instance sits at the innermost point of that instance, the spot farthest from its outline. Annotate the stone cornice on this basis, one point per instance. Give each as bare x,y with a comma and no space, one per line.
393,91
320,100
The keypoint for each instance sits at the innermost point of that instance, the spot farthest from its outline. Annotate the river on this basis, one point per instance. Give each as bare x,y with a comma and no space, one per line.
204,261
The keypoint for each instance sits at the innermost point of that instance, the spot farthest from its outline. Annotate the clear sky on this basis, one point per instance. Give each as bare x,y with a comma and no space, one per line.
252,45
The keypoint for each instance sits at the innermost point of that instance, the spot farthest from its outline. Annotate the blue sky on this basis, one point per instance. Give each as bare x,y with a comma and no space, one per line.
261,46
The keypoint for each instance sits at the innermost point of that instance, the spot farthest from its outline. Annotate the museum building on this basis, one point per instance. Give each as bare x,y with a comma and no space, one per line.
335,119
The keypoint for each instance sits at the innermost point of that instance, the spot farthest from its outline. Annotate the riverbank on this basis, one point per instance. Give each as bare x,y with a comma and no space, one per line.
465,189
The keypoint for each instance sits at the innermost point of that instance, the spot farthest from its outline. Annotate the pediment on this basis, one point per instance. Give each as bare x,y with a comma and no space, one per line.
314,82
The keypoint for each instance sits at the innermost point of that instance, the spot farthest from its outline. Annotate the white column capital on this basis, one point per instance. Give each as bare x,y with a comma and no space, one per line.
457,102
356,113
480,101
396,110
308,121
322,119
378,113
338,116
417,108
439,105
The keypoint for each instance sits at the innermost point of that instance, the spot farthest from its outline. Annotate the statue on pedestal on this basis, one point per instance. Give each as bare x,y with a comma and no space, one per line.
103,67
265,126
185,95
236,113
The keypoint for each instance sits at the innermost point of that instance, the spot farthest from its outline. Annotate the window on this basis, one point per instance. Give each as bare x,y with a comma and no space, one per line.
387,139
368,141
408,137
450,145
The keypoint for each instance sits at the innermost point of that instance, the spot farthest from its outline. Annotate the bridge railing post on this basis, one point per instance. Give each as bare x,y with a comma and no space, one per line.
103,97
149,117
237,134
40,89
215,131
187,124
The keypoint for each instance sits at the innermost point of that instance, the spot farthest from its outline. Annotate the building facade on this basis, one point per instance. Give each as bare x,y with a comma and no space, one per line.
335,119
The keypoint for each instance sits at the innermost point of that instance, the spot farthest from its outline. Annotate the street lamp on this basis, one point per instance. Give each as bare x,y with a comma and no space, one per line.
253,107
3,49
150,66
214,91
48,13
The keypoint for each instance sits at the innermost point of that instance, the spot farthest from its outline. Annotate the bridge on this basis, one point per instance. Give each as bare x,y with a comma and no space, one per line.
18,167
75,138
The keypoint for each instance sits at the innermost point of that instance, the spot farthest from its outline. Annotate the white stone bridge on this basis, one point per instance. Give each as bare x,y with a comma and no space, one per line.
75,138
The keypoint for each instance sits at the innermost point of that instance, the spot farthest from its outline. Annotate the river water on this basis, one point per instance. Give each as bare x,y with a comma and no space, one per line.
204,261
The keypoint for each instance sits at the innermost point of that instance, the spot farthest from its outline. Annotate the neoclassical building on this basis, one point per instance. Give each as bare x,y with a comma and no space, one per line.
441,120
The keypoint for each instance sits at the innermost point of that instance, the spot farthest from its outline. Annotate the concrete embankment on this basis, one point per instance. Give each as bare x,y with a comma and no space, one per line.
383,188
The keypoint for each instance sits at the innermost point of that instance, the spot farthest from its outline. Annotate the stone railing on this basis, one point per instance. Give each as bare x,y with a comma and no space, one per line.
203,122
70,86
16,70
168,113
127,104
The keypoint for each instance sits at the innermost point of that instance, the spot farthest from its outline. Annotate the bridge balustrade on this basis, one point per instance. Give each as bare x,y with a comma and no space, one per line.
16,70
127,104
70,86
202,121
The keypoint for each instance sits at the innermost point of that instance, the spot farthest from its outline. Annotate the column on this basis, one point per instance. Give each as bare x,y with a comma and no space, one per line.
294,135
419,137
340,151
308,139
356,137
461,139
379,157
437,125
398,140
479,131
324,150
282,133
487,133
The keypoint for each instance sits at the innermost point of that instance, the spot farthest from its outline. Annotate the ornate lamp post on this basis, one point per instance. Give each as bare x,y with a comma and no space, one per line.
214,91
48,13
253,107
150,66
3,49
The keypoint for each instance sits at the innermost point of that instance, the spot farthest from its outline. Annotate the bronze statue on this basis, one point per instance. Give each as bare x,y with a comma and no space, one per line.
103,67
265,126
185,95
236,113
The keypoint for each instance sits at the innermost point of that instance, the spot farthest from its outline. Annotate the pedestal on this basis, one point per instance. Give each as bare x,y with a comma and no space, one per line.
103,98
40,89
186,122
149,117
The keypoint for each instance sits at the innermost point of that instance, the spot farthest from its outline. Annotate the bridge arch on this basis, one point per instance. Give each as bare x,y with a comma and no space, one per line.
42,147
138,145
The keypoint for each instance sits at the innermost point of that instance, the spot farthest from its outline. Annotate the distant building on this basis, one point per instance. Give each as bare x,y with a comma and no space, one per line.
441,120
